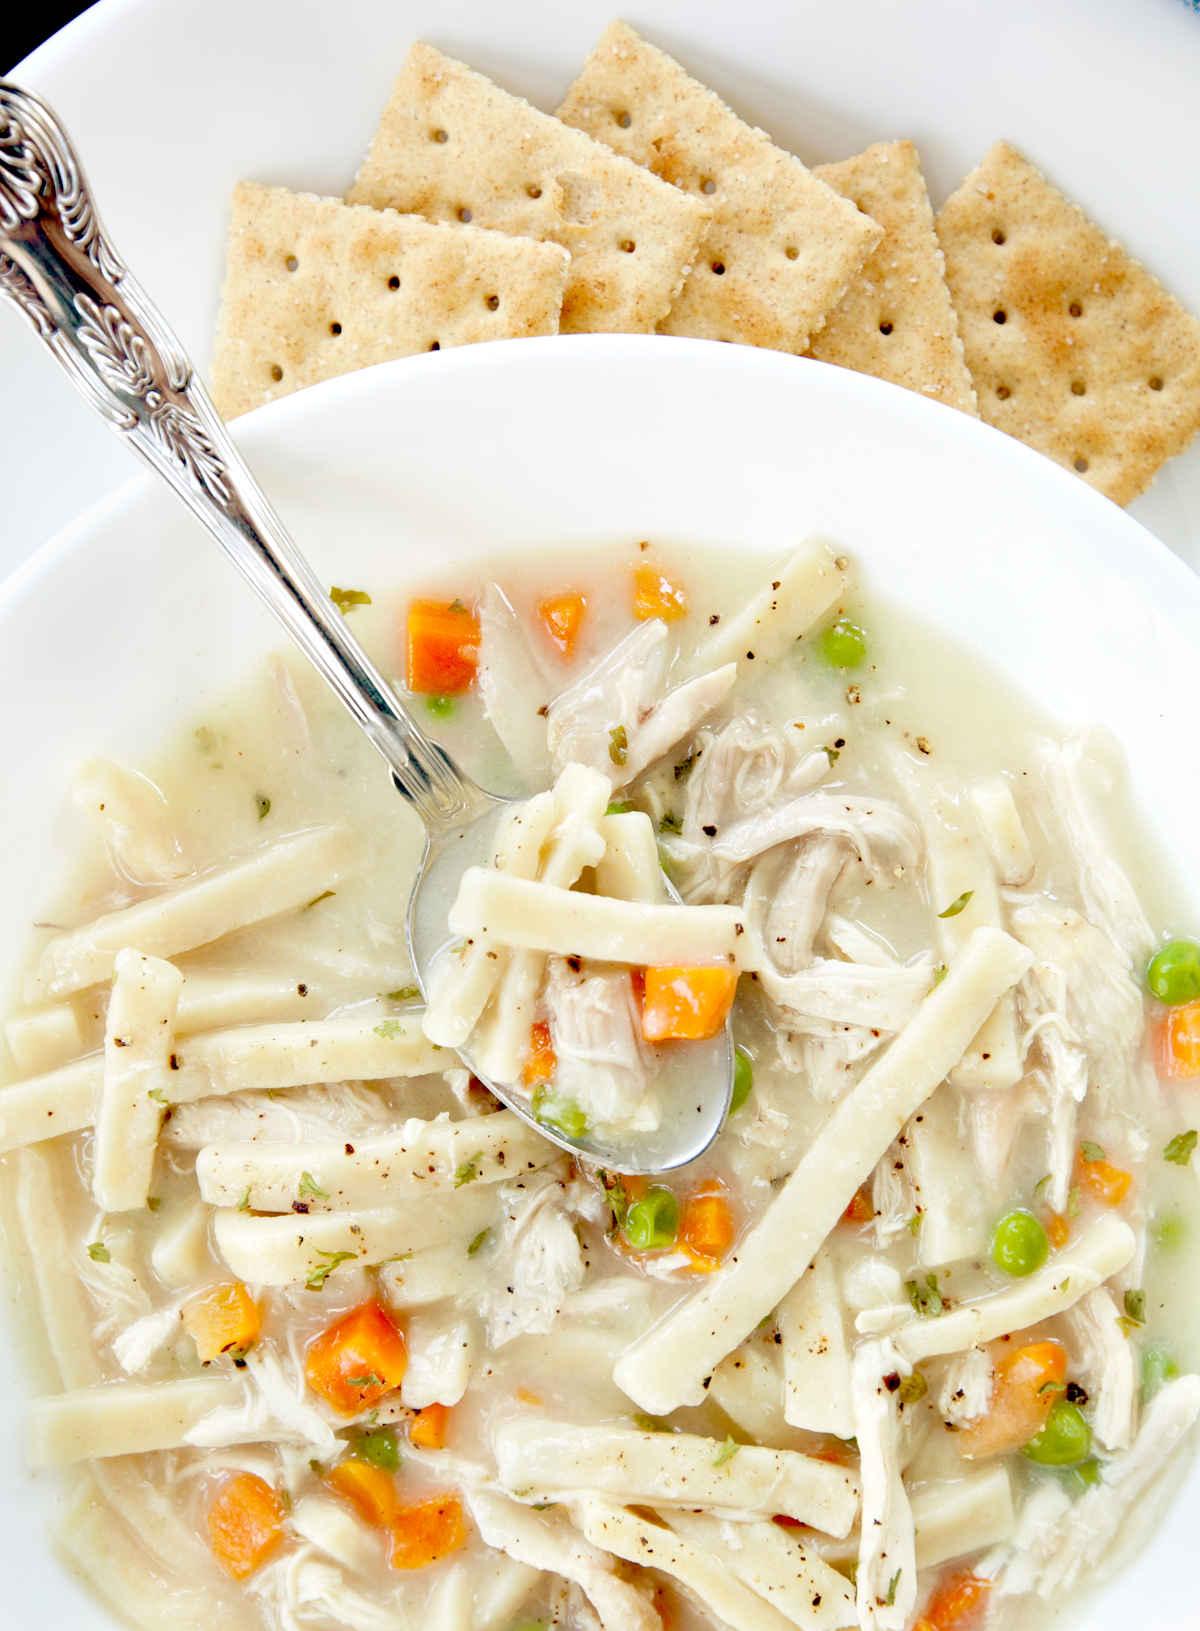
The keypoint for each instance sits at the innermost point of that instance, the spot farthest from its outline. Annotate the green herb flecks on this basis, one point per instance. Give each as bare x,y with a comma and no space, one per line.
390,1030
406,993
262,804
684,768
153,1202
912,1388
727,1452
326,894
362,1383
320,1272
956,906
832,754
99,1252
892,1584
345,599
480,1241
1073,1202
157,1094
310,1189
670,822
914,1223
468,1171
618,745
1180,1148
616,1196
243,1204
926,1299
620,807
1091,1152
653,1424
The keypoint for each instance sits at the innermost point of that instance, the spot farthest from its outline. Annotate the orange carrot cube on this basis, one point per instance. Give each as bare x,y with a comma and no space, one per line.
861,1209
430,1530
563,618
1178,1041
688,1004
443,648
706,1232
368,1488
657,595
541,1062
1058,1230
355,1362
245,1524
1023,1391
427,1430
1107,1183
224,1319
954,1606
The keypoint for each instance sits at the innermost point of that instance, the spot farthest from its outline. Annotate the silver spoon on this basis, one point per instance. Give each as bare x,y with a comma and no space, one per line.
64,277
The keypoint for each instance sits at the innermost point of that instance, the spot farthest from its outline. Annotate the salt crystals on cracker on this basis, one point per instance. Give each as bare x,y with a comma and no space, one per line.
782,246
1074,348
315,288
896,320
455,147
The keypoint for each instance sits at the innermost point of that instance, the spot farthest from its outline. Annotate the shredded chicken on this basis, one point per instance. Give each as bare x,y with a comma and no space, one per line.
595,1025
1103,1364
887,1568
294,1115
545,1256
301,1591
515,686
966,1389
275,1410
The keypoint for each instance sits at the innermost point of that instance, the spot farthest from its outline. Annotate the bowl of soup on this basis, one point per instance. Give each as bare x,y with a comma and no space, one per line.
304,1329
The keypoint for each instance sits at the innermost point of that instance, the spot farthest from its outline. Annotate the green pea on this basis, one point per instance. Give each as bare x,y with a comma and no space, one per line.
1019,1244
1078,1480
378,1446
1158,1368
743,1079
1066,1439
555,1110
1174,973
440,707
843,644
652,1222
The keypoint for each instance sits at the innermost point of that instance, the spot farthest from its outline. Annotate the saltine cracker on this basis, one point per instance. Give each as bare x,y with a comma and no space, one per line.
316,288
1074,348
782,246
454,147
896,320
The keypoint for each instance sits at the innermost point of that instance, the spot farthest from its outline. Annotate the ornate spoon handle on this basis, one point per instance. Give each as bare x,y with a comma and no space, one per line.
60,271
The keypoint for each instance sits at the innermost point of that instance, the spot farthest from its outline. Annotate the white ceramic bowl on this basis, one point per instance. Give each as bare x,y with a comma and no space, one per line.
125,623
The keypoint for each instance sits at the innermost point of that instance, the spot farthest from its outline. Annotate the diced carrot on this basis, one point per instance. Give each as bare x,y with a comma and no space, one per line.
861,1209
541,1062
706,1232
1022,1394
224,1319
1058,1229
427,1430
245,1524
1107,1183
954,1605
657,595
355,1362
443,647
1178,1041
688,1004
368,1488
428,1531
563,617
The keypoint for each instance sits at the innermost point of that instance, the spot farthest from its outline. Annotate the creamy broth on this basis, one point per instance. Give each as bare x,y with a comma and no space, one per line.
507,1332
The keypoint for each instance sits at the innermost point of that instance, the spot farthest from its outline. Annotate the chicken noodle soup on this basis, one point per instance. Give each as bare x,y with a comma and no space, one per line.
334,1340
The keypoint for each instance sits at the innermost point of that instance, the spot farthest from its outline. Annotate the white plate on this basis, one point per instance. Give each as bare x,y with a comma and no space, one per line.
173,101
130,619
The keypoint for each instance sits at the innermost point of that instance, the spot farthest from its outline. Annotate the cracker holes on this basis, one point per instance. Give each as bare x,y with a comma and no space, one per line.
1081,465
719,268
708,186
276,372
997,235
623,119
1075,309
464,214
439,135
628,245
1078,388
493,302
1156,383
335,328
533,190
292,264
1003,392
999,317
393,282
885,328
792,252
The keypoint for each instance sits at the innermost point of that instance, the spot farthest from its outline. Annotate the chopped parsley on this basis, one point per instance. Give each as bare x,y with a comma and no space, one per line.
1091,1152
390,1030
618,745
727,1451
262,804
99,1252
344,599
311,1188
243,1204
406,993
480,1241
1180,1148
671,823
320,1272
684,768
926,1299
954,908
468,1171
912,1388
362,1383
892,1584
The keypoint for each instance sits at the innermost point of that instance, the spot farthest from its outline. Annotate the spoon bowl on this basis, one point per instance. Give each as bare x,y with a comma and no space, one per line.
59,270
